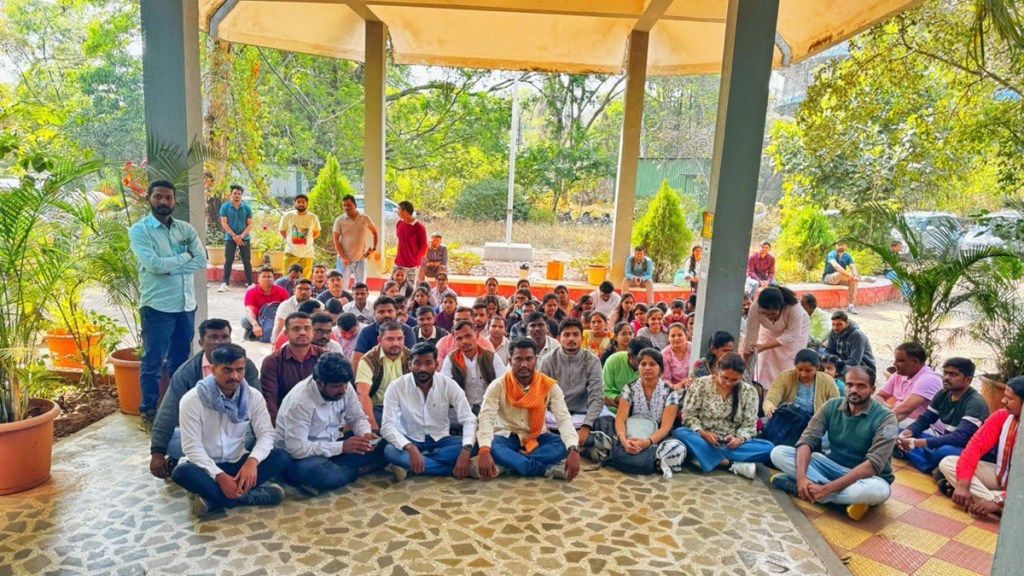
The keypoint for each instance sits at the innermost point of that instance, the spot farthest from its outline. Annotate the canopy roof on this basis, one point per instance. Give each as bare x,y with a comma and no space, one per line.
581,36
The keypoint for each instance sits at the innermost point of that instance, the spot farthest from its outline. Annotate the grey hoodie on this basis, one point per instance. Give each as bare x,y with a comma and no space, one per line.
579,376
852,346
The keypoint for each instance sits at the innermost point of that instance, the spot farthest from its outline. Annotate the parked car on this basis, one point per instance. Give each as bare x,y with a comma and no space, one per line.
940,232
390,209
997,229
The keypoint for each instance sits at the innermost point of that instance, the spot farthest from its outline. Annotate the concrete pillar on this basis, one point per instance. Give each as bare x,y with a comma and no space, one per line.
173,109
629,152
1010,547
374,78
739,135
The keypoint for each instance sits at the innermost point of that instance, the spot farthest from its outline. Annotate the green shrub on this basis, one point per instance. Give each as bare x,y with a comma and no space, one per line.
540,215
789,271
462,261
806,235
325,200
488,200
580,264
867,262
662,230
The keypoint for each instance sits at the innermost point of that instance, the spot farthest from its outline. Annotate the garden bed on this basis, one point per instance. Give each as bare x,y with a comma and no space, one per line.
82,405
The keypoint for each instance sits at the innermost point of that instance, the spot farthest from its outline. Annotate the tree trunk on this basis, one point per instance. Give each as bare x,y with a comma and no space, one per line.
216,123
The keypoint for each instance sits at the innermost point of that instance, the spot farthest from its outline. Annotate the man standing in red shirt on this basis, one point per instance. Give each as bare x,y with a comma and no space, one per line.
412,242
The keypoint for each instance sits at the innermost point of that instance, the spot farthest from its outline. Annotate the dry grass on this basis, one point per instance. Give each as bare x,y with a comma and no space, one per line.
569,238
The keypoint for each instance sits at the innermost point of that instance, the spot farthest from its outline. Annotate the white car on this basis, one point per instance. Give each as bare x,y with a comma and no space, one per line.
998,230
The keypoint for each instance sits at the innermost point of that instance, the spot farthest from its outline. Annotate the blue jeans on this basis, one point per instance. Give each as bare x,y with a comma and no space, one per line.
927,459
822,470
325,473
550,450
439,456
196,480
165,336
355,268
708,456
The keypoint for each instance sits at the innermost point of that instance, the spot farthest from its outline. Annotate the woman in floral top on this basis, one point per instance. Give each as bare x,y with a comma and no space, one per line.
648,402
677,357
720,421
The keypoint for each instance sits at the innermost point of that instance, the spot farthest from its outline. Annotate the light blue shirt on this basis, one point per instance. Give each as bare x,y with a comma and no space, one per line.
643,271
165,266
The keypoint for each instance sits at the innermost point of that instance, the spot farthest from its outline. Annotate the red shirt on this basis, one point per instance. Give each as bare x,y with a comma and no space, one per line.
412,243
255,298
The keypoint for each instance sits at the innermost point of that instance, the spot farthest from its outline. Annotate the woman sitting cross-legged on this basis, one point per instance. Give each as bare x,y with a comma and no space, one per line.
720,421
643,423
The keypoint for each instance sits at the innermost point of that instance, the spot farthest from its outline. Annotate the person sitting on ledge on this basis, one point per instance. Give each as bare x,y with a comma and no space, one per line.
218,471
857,472
638,273
720,421
913,385
309,428
417,420
980,487
512,423
959,411
165,440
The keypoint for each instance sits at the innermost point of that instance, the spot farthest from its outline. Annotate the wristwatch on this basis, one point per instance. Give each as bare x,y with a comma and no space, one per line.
998,500
467,447
575,449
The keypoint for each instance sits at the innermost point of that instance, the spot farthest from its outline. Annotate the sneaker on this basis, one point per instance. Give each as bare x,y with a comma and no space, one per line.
556,471
601,449
146,421
783,482
746,469
223,287
401,473
946,488
198,505
852,309
308,490
474,470
269,494
857,511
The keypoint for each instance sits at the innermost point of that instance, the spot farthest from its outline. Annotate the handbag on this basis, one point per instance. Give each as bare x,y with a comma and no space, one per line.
786,425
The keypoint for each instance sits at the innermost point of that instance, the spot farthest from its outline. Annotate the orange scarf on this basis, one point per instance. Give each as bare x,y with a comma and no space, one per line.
533,400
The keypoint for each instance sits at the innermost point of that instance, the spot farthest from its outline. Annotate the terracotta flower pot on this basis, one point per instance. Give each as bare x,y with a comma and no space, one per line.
65,353
277,260
992,390
126,376
215,256
26,448
256,257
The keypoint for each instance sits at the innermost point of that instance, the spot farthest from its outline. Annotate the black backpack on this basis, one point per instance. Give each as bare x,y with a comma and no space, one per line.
786,425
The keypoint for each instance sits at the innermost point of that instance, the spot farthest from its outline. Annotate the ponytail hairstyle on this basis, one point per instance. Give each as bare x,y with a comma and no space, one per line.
717,340
733,361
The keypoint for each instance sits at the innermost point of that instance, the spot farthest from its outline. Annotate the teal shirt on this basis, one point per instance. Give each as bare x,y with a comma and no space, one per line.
616,375
868,436
238,218
165,265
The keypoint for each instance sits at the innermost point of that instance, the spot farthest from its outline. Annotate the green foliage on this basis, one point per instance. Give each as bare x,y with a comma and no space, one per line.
581,263
541,215
790,271
867,262
488,200
939,285
462,261
325,200
662,230
806,235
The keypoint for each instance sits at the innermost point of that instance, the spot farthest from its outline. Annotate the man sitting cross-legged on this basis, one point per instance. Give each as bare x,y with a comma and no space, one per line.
165,440
284,368
218,470
512,422
470,365
578,373
958,410
382,365
416,421
309,428
858,470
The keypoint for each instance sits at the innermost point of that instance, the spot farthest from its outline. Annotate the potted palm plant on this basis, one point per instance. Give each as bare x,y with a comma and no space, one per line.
34,257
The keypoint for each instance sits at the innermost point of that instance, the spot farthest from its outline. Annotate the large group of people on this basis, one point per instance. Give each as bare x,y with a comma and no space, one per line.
412,382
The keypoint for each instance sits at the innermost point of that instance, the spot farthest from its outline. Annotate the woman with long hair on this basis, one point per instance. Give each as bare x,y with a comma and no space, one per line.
720,421
585,303
777,328
624,311
720,344
620,341
677,358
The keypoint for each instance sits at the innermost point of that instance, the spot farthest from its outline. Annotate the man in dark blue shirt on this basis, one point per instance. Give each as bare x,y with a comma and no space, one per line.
954,415
384,309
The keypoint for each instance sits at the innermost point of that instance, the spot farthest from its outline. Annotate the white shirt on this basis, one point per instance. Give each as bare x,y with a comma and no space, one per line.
549,345
475,383
289,306
333,346
607,307
408,415
308,425
501,350
209,437
365,315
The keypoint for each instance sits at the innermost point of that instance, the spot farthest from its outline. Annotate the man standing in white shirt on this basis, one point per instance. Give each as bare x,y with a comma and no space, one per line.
309,427
299,229
215,415
416,420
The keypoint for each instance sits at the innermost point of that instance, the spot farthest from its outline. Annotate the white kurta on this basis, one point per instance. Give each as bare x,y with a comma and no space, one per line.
790,331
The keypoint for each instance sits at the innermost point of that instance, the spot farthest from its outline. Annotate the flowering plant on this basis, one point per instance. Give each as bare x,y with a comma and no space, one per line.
264,234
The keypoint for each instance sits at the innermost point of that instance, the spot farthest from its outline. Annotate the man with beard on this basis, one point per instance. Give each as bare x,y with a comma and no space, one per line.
840,270
416,420
349,237
379,367
303,292
323,326
168,253
319,279
447,344
858,469
165,440
471,366
537,330
217,470
292,363
309,428
299,229
848,341
512,423
384,310
334,289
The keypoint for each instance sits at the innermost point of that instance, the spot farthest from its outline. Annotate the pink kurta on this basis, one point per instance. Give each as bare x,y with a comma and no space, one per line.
676,367
790,331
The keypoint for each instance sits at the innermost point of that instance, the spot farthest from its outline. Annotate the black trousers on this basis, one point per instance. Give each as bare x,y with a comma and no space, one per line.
229,260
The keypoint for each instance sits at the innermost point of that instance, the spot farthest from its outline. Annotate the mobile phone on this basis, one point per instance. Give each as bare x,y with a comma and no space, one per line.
374,442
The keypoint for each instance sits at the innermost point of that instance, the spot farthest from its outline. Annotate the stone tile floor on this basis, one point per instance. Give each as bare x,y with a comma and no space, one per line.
102,513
